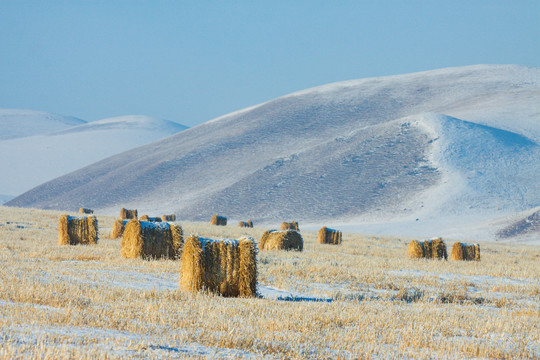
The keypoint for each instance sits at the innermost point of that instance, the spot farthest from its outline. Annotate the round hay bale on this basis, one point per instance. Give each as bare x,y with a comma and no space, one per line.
151,240
171,217
118,228
415,250
227,267
329,236
281,240
462,251
218,220
128,214
77,230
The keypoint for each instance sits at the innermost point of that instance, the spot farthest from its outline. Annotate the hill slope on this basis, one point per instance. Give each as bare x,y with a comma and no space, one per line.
36,159
370,150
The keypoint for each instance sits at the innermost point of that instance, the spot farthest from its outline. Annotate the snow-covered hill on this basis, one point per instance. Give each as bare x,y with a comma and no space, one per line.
16,123
33,160
424,154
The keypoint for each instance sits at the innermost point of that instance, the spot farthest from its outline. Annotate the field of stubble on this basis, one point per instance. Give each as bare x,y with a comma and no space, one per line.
363,299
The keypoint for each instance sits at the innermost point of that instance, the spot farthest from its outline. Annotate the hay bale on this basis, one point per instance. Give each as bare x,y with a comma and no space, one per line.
118,228
85,211
128,214
462,251
415,250
151,240
429,249
435,249
329,236
290,226
227,267
248,224
171,217
151,219
77,230
281,240
218,220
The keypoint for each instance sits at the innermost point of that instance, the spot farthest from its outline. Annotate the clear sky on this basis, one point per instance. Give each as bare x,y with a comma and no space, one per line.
191,61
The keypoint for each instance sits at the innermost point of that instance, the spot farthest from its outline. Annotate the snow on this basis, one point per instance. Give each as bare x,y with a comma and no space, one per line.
437,153
17,123
33,160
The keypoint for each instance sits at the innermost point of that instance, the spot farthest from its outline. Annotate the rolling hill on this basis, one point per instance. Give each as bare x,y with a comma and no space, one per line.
33,160
440,152
17,123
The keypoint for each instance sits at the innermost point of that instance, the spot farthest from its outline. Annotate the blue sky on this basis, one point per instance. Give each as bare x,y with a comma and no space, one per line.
191,61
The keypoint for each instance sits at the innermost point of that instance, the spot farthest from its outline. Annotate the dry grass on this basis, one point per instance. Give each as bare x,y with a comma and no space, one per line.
58,303
85,211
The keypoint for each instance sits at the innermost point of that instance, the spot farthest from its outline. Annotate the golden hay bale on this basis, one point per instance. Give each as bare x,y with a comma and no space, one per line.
290,226
151,240
171,217
148,218
118,228
435,249
415,250
85,211
218,220
227,267
77,230
329,236
462,251
430,249
281,240
248,224
128,214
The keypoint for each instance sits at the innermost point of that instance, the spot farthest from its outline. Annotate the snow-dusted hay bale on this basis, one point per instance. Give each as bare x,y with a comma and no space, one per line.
149,218
118,228
435,249
415,250
85,211
248,224
281,240
128,214
151,240
218,220
293,225
171,217
329,236
77,230
227,267
462,251
430,249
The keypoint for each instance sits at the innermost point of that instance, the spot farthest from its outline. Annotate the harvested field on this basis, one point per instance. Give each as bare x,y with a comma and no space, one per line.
363,299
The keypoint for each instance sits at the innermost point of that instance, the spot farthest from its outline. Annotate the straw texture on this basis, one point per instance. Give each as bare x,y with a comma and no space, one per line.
227,267
77,230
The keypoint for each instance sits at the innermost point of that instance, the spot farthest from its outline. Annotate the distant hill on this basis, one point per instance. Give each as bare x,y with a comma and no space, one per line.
33,160
17,123
433,153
